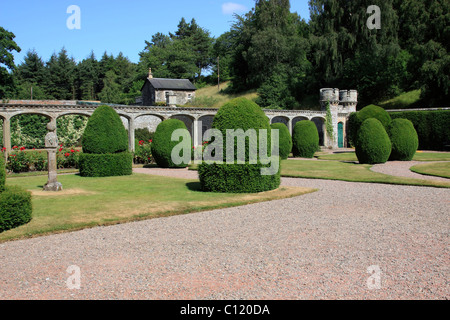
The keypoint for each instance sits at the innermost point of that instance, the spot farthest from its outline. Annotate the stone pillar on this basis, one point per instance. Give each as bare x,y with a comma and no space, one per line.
195,132
51,144
289,125
131,145
7,135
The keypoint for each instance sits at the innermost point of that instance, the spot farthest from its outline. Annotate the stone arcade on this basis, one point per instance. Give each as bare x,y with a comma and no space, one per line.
197,120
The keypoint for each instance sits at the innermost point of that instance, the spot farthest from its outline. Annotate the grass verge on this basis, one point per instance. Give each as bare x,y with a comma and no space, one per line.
89,202
419,156
352,172
441,169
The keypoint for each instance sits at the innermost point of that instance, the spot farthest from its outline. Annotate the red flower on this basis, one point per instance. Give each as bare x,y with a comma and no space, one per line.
61,145
3,149
67,154
141,142
15,147
71,150
22,148
34,148
60,149
150,140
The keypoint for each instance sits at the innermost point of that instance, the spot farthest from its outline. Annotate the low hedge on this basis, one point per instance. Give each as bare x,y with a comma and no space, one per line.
105,165
305,139
372,144
15,207
236,178
432,127
285,140
404,140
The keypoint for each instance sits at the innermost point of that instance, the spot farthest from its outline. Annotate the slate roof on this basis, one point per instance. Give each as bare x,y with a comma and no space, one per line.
171,84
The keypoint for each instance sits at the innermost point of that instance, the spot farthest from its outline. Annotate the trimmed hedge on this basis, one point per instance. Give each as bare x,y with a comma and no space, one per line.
239,113
15,207
162,145
305,139
285,140
356,119
404,140
432,127
2,173
372,144
105,165
236,178
104,132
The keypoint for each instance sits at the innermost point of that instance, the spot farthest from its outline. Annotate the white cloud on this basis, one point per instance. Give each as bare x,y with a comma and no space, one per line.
231,7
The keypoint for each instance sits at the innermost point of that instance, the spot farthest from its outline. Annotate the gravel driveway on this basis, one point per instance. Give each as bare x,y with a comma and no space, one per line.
316,246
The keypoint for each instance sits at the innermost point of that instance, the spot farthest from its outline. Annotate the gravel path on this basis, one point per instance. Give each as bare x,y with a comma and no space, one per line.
316,246
401,168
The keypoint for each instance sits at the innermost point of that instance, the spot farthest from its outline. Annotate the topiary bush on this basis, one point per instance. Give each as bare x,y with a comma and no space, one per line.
2,173
372,143
404,140
105,144
370,111
239,113
285,139
15,203
15,207
162,145
104,132
305,139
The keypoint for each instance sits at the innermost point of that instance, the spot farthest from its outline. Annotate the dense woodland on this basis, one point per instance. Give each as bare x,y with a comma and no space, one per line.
268,49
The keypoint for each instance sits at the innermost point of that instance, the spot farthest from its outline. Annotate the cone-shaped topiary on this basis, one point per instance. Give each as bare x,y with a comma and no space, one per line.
104,132
162,145
372,143
404,139
240,114
285,140
305,139
105,144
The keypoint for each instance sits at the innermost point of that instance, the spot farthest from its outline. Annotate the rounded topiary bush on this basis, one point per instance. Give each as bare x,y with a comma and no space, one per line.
104,132
105,144
285,140
15,207
372,143
370,111
305,139
234,177
162,145
404,139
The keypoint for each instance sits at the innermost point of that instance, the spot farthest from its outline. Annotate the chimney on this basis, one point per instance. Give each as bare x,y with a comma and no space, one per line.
150,74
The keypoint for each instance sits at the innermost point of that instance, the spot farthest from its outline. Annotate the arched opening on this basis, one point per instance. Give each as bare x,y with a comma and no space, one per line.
205,123
188,121
297,119
145,126
70,128
320,125
28,130
280,119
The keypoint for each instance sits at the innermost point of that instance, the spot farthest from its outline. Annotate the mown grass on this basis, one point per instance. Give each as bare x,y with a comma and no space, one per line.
403,101
419,156
440,169
352,172
88,202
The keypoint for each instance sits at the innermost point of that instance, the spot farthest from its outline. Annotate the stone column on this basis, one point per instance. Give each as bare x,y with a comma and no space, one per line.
7,135
289,125
195,134
131,146
51,144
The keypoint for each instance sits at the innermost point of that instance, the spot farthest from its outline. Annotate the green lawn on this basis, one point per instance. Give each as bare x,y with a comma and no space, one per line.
441,169
337,170
419,156
87,202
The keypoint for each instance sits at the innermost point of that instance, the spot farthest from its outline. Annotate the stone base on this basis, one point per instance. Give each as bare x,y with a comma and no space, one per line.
53,186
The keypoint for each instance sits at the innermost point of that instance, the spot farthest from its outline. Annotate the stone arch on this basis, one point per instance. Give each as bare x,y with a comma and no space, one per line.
297,119
69,127
148,121
320,124
37,140
280,119
205,123
188,121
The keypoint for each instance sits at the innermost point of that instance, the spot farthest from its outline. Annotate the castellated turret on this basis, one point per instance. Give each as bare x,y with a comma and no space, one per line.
344,100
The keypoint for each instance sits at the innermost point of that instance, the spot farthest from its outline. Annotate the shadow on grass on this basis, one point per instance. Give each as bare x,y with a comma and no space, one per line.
194,186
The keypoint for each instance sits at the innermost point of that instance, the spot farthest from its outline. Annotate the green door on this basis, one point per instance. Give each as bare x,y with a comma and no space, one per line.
340,135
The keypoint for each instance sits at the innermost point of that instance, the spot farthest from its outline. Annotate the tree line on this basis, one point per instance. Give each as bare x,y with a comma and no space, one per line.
268,49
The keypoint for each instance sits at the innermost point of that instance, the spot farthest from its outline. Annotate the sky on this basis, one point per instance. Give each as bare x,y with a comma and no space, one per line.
113,26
